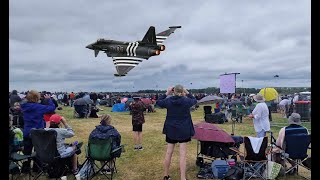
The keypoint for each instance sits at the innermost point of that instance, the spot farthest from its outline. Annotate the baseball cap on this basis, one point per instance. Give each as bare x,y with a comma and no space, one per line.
55,118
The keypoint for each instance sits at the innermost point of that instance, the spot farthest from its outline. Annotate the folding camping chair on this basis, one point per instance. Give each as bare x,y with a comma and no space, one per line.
253,163
207,110
240,112
295,151
47,157
234,114
16,159
100,150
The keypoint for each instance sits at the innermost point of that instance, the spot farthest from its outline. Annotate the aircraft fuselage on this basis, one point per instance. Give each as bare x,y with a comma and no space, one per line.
138,48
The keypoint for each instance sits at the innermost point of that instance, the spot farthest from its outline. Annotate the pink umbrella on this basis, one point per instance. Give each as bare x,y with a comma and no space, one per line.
209,132
146,101
124,100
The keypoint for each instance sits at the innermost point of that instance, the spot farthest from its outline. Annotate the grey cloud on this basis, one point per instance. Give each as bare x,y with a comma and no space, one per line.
258,39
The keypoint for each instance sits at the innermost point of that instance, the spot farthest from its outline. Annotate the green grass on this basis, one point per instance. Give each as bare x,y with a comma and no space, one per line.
147,164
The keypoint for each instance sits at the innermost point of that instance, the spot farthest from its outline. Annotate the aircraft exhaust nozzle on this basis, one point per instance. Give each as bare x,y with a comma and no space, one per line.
157,52
162,47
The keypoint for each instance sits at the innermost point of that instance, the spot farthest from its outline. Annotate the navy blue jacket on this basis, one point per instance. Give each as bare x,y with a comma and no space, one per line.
178,124
106,132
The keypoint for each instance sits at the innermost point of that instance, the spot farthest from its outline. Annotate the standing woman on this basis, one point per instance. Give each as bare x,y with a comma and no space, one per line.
33,113
137,108
178,126
260,115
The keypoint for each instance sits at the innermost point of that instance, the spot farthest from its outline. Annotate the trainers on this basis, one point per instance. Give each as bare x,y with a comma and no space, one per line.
75,172
167,178
140,148
136,148
110,171
79,145
107,171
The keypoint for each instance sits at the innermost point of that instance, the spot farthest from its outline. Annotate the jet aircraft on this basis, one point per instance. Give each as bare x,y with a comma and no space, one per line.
127,55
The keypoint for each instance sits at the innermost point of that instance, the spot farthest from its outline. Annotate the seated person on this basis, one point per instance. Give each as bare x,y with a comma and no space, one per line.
294,122
62,133
15,137
93,112
17,115
106,131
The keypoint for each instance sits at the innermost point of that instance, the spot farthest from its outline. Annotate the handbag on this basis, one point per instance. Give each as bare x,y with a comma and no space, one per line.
272,170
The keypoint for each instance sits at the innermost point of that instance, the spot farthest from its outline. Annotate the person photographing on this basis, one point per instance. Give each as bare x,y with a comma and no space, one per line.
260,116
178,126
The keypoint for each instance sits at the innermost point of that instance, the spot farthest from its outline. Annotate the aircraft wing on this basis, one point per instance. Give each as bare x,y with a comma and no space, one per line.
125,64
165,34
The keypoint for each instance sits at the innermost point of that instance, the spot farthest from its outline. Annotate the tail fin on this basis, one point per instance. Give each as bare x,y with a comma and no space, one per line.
150,36
165,34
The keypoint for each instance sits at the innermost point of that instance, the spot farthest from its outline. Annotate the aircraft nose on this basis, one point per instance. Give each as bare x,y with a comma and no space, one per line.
90,46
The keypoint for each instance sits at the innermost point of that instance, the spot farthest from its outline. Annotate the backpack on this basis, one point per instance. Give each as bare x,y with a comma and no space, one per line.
87,170
234,173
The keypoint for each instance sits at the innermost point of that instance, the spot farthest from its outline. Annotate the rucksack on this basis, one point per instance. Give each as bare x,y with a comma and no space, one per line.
234,173
87,170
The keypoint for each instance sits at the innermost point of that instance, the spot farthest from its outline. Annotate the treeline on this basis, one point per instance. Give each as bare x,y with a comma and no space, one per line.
213,90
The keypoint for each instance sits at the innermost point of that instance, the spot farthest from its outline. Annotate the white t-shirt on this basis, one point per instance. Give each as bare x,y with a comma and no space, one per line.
261,117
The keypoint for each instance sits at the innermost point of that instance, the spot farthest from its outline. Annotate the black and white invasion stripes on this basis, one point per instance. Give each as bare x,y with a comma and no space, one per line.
127,61
131,49
160,39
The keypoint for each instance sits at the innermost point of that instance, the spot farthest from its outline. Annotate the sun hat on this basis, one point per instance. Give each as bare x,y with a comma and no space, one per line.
259,98
295,118
55,118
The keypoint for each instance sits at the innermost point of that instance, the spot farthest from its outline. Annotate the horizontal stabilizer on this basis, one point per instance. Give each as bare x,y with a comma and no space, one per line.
165,34
175,27
119,75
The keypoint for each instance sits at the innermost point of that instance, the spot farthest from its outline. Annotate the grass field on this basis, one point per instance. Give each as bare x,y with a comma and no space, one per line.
147,164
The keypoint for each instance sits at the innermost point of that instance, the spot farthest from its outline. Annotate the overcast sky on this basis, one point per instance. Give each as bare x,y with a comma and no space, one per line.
258,39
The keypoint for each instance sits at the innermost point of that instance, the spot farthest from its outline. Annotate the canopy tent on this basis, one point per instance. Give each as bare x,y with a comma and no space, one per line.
119,107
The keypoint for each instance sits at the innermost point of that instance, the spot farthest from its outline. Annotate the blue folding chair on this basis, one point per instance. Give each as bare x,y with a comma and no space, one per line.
295,149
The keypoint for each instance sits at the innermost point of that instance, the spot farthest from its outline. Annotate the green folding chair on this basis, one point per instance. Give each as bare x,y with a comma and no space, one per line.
101,150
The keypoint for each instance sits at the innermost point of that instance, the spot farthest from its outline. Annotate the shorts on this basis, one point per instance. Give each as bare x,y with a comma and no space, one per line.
137,127
171,141
69,151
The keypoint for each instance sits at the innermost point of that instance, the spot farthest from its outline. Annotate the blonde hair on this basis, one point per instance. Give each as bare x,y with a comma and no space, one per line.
178,90
33,96
105,120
